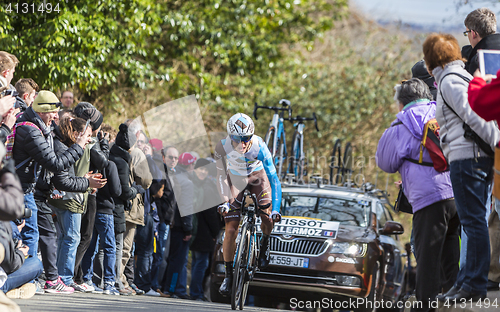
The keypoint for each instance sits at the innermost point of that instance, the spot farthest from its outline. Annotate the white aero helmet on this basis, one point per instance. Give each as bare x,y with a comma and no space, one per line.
240,128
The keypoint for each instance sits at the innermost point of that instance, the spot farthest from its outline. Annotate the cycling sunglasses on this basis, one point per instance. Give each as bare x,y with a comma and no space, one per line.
241,138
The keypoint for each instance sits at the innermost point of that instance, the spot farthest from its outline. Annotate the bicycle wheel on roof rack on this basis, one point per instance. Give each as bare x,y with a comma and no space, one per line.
336,163
347,162
269,139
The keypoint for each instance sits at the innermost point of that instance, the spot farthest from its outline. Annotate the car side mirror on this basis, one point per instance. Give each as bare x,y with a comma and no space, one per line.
392,228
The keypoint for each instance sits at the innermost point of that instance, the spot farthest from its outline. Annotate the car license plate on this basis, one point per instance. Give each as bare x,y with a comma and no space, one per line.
298,262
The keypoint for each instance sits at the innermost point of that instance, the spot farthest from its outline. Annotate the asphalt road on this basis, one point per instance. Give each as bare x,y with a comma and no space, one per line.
106,303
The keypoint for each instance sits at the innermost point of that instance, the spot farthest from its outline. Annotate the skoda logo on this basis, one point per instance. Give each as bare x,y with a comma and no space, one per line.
286,236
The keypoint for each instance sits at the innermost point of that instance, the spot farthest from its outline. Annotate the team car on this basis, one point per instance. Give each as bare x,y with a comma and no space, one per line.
338,243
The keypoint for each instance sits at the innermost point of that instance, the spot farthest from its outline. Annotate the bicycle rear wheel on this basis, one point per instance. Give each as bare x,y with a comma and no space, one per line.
335,163
298,159
347,163
238,293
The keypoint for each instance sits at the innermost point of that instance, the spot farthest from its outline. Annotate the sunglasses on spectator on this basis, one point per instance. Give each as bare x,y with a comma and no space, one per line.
238,138
172,157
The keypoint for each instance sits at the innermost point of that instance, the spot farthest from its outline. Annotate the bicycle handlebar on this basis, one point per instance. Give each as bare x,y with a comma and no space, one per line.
285,103
302,119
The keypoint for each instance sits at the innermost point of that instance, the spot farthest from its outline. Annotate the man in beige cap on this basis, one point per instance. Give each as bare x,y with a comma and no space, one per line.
33,150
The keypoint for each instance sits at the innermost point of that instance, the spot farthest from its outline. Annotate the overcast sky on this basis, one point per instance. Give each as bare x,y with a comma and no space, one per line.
440,13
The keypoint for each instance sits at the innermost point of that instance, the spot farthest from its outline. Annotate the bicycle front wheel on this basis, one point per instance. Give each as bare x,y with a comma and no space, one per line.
347,163
298,159
238,293
270,142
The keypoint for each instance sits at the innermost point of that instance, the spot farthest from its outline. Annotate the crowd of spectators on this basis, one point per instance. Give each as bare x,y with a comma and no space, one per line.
87,208
455,202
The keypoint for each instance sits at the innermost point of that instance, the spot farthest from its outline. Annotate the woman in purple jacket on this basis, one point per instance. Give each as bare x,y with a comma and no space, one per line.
435,218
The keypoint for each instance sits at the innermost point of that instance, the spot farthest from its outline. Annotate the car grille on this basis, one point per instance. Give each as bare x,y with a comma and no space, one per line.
299,246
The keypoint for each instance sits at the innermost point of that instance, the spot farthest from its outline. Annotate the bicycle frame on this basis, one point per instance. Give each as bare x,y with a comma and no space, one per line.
298,157
276,133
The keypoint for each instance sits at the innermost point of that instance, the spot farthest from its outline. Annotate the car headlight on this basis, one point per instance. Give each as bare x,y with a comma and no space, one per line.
349,249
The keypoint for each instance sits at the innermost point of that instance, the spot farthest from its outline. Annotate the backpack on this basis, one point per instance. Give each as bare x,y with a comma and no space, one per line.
430,141
9,144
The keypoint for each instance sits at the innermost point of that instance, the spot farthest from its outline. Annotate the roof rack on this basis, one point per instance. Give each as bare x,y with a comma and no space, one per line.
366,188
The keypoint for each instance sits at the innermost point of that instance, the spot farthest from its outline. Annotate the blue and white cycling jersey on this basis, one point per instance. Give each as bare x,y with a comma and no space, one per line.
257,158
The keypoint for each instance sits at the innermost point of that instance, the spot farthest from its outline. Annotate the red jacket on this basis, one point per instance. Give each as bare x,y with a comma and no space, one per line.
484,98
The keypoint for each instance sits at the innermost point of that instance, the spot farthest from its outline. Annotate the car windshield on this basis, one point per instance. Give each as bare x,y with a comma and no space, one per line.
345,211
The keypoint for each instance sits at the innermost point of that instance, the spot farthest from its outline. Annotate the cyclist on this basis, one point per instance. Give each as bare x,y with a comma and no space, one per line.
244,162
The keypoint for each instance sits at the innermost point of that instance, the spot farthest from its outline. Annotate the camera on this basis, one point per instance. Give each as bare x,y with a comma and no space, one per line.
14,93
27,214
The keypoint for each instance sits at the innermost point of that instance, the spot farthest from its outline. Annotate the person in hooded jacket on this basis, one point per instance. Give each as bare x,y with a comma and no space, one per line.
104,232
99,154
435,219
121,157
208,224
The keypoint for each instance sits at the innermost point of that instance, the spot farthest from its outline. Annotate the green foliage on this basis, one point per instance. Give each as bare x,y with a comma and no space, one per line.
97,44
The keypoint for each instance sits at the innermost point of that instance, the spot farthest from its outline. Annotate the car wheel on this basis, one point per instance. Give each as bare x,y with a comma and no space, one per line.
369,303
215,296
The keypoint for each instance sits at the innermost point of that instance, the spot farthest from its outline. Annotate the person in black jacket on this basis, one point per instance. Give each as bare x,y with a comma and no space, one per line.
120,156
73,185
33,149
99,154
481,28
104,230
47,228
207,227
